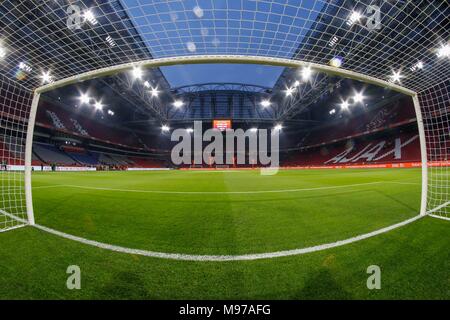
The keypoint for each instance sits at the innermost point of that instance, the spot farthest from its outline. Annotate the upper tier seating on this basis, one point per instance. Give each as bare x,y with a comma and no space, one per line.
57,123
79,124
396,114
401,147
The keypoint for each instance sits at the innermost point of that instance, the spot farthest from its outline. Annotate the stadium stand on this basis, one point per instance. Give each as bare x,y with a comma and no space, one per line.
80,125
52,155
390,116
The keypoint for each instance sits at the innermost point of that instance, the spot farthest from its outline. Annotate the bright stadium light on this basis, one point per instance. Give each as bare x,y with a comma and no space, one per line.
306,73
46,77
278,127
84,98
98,105
165,128
358,97
289,92
396,76
178,103
90,16
332,111
147,84
154,92
354,17
110,112
137,73
345,105
418,66
110,41
443,51
2,52
296,83
266,103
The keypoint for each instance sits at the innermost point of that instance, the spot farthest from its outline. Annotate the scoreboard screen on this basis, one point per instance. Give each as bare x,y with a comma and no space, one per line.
222,125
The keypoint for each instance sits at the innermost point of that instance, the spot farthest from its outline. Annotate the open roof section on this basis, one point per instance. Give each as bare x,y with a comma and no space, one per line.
222,26
248,27
192,74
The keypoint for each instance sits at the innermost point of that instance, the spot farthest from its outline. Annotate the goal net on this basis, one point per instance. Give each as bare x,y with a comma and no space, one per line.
15,102
403,43
435,105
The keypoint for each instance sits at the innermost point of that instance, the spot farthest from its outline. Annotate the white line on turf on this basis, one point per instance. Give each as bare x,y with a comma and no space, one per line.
222,192
215,192
256,256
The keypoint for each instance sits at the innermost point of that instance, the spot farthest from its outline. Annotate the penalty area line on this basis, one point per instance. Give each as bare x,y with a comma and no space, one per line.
216,192
221,258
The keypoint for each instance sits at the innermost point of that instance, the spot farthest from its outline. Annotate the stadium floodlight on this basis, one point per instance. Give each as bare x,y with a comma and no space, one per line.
84,98
266,103
354,17
24,66
165,128
110,41
306,73
2,52
289,92
110,112
189,130
418,65
46,77
358,97
443,51
296,83
98,105
345,105
278,127
395,77
147,84
178,103
154,92
332,111
137,73
90,16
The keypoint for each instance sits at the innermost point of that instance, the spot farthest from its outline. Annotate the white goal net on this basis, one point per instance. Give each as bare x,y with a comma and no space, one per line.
401,42
15,104
435,104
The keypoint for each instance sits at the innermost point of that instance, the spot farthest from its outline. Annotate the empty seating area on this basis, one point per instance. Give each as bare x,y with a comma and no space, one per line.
396,148
52,155
77,123
393,115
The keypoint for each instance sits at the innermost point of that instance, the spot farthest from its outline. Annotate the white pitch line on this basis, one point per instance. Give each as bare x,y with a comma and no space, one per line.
256,256
51,186
216,192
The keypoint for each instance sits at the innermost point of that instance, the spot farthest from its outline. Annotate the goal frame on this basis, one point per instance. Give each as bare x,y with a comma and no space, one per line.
217,59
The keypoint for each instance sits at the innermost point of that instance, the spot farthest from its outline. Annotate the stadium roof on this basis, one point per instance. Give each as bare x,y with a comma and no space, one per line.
380,39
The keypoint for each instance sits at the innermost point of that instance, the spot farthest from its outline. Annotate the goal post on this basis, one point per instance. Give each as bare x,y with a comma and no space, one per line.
28,158
19,106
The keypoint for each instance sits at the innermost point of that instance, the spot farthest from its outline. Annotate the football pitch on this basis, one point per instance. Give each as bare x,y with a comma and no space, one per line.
228,213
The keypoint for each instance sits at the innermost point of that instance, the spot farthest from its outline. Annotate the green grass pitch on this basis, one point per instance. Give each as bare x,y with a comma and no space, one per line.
228,213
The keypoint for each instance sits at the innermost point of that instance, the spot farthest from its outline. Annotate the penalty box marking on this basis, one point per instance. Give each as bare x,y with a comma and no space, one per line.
223,192
210,192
